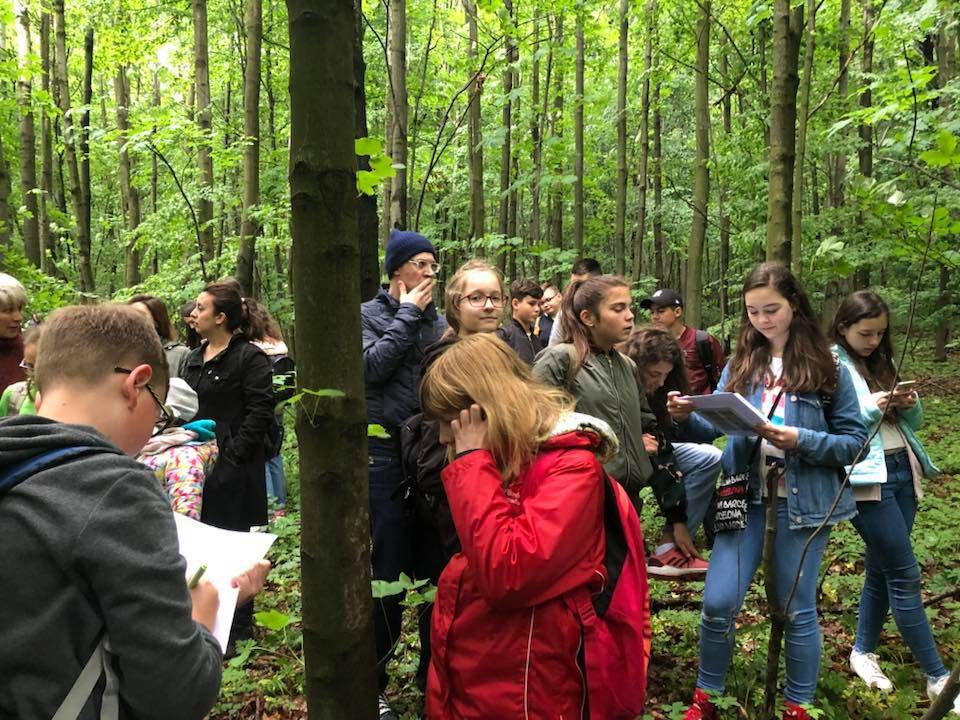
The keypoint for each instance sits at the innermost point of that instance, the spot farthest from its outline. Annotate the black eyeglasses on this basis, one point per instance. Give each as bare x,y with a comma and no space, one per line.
165,418
479,300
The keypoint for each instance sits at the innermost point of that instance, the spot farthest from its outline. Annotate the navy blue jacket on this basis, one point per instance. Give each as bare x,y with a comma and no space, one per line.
394,339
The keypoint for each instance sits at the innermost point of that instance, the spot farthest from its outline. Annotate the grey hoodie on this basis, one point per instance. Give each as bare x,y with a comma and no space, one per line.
87,547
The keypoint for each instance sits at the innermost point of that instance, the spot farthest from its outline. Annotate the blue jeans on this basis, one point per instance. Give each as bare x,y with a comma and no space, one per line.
700,465
735,558
276,480
400,544
892,576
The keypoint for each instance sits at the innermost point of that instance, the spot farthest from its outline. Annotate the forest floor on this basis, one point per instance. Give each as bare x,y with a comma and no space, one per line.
266,680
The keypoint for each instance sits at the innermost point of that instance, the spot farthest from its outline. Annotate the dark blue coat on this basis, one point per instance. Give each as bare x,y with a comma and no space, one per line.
394,339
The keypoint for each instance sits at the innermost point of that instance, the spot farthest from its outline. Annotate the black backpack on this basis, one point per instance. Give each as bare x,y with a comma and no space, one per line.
705,353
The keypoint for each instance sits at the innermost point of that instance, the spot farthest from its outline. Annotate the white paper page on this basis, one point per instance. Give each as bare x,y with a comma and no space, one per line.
730,413
227,554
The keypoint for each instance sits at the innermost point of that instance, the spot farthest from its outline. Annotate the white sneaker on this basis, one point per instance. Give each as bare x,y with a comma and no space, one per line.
866,666
935,687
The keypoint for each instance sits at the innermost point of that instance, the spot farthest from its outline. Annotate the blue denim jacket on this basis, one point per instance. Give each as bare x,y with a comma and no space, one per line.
815,467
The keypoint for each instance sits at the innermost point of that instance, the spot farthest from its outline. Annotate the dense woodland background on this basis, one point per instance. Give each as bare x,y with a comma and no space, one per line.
144,144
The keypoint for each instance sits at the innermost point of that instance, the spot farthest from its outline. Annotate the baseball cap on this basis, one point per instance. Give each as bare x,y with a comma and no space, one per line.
664,297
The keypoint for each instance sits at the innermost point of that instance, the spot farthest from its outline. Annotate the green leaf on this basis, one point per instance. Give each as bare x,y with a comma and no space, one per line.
377,431
368,146
272,620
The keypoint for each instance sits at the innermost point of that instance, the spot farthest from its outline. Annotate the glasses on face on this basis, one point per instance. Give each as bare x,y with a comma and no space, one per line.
546,300
164,414
422,265
479,300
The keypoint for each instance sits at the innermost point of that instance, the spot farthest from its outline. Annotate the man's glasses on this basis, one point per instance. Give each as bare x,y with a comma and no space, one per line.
545,300
423,264
164,414
479,300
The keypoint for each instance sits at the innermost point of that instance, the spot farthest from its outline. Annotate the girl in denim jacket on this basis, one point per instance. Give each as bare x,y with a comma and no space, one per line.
782,366
886,486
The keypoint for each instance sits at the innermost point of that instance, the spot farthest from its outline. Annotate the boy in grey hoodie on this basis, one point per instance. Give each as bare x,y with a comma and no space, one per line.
89,544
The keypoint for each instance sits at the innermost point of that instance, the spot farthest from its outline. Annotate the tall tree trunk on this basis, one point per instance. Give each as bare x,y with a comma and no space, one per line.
556,193
724,212
46,153
796,223
946,71
249,226
764,33
28,136
201,79
578,139
397,50
503,226
367,231
155,102
335,535
659,241
701,178
644,140
128,191
73,137
619,231
6,214
861,277
475,133
783,121
535,138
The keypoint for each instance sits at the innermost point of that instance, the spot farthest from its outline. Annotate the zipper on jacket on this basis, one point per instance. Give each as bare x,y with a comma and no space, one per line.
623,424
526,668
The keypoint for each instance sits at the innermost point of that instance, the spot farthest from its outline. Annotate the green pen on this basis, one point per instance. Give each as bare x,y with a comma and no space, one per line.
195,580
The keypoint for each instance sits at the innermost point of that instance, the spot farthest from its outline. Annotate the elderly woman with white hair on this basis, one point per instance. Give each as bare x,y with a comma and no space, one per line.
13,297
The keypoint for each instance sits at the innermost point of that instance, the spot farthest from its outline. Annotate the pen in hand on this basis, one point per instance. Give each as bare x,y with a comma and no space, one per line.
196,577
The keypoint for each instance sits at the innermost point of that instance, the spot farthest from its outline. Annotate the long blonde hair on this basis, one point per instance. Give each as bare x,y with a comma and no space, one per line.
520,411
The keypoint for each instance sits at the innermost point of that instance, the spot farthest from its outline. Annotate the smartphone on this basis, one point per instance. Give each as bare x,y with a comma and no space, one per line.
904,386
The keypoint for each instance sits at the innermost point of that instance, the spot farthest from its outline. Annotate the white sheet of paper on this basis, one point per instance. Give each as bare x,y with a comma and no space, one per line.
729,412
227,554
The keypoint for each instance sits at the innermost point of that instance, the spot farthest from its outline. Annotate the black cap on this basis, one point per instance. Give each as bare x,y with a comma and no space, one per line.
664,297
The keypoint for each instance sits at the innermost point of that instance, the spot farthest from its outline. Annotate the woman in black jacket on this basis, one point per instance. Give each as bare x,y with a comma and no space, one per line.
234,384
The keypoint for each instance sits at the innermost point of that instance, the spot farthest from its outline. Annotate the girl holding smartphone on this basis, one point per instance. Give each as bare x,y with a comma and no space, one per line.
886,485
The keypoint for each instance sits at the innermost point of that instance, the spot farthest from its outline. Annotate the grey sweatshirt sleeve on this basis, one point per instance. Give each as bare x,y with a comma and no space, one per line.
129,554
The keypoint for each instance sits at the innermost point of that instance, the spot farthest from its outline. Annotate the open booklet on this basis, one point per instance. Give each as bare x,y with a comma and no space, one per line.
729,412
226,554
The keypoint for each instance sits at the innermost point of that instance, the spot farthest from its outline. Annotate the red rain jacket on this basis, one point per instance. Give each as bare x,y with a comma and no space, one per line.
514,633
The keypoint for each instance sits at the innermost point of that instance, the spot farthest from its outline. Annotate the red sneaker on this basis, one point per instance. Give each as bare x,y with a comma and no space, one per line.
795,712
701,708
673,564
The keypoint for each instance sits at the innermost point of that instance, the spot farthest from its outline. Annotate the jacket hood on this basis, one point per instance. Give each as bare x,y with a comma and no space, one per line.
578,430
26,436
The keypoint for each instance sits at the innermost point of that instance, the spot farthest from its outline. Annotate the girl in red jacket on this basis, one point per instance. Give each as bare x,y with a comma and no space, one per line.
520,627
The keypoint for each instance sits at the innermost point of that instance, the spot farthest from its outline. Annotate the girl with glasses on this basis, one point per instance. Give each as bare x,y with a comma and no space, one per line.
18,398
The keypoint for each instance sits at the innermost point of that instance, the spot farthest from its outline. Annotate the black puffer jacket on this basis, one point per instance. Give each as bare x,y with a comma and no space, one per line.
394,339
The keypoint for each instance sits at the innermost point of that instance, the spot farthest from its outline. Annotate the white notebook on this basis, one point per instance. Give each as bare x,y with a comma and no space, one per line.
729,412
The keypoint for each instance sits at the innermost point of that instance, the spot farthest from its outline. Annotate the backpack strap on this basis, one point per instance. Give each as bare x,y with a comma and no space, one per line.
76,699
31,466
705,354
615,552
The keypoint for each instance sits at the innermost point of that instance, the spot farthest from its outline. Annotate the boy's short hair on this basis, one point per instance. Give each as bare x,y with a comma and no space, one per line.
524,287
86,342
13,296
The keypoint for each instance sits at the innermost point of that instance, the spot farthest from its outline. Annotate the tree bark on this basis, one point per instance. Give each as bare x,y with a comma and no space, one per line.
72,138
836,196
642,171
783,119
946,71
503,225
556,193
659,241
128,191
397,51
619,233
796,222
201,79
535,137
724,212
28,137
578,139
701,179
335,534
367,223
6,215
861,276
475,131
249,225
46,154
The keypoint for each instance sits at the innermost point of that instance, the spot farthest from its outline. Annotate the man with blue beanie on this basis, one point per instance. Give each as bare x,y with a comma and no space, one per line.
398,325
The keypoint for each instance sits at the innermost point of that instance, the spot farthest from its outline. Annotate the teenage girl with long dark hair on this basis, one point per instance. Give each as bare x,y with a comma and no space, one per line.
886,486
783,366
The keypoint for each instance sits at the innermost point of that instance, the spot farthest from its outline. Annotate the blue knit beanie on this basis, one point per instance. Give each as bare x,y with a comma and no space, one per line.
403,245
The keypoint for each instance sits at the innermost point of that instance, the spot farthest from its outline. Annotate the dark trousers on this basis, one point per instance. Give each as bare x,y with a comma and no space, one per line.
402,543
